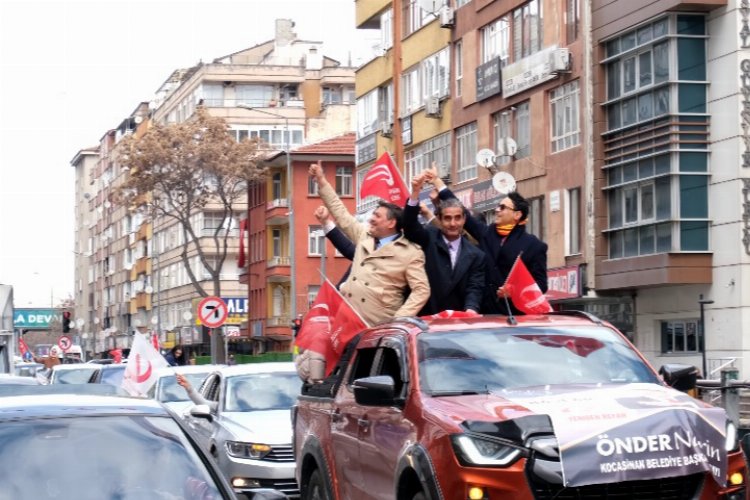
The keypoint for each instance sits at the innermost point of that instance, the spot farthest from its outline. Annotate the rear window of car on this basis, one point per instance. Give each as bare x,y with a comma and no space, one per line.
101,457
262,391
479,361
74,376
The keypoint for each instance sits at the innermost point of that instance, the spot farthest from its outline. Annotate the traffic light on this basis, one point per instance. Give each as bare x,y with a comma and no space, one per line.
296,324
66,319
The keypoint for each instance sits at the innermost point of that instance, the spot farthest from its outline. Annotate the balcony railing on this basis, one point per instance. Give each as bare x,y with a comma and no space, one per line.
277,203
279,261
278,321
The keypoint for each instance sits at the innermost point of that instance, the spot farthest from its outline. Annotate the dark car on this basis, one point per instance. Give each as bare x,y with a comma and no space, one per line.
116,441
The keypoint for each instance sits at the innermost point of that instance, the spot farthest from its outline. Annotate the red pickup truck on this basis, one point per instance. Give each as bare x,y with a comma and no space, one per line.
557,406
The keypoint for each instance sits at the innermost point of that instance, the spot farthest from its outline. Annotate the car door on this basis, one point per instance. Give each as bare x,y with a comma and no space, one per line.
202,426
383,430
345,421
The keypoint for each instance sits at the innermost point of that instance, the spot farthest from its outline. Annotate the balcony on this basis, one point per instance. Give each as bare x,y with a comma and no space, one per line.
279,269
277,321
277,212
368,12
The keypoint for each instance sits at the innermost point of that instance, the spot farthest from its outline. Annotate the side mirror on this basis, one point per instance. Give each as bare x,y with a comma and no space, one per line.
679,376
374,391
202,411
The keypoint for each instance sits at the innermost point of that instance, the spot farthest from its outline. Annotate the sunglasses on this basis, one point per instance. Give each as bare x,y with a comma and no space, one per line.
502,207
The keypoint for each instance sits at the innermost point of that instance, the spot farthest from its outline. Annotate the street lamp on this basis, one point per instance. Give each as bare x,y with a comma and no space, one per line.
702,302
289,189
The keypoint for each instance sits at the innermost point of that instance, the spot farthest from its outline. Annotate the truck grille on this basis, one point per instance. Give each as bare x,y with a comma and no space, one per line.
280,454
669,488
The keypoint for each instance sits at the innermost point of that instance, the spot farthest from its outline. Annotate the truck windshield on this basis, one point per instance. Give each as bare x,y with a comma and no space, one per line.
477,361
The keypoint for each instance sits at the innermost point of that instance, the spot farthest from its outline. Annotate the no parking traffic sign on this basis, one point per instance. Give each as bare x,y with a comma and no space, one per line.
212,312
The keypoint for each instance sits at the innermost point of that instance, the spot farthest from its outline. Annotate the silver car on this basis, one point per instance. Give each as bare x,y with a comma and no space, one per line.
247,427
170,394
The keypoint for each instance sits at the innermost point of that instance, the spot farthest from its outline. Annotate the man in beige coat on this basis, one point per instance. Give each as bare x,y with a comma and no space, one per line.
381,277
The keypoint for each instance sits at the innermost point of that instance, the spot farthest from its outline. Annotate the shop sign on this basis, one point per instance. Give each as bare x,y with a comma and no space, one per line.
563,283
528,72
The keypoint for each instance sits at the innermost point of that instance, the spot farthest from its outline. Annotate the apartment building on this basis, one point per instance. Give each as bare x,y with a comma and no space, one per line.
671,82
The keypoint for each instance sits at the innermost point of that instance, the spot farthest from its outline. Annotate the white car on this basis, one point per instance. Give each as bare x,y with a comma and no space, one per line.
170,394
247,425
76,373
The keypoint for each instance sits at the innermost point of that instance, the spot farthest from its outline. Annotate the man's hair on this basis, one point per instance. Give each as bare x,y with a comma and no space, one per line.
449,203
520,203
392,212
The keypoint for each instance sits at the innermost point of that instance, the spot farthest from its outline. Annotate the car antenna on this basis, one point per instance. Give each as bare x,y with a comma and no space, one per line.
511,318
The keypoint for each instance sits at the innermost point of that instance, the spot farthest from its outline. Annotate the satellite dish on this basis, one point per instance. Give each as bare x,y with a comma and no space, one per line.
148,289
503,182
486,158
138,119
506,146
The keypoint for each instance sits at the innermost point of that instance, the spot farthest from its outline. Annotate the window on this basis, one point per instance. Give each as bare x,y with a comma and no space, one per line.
312,187
276,189
215,220
437,149
367,114
458,59
316,239
527,30
213,95
386,29
680,336
344,181
385,104
572,20
565,123
277,137
523,130
412,17
573,221
435,72
466,145
502,130
312,294
255,96
495,39
535,220
278,306
276,243
411,84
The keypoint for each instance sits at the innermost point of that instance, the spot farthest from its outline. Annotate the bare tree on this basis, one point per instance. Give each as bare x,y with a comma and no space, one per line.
179,169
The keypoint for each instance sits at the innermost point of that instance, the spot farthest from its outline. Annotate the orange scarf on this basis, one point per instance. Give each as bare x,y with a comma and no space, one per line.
504,230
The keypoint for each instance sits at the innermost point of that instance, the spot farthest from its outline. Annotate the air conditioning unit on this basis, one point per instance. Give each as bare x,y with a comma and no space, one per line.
560,61
446,17
432,107
386,129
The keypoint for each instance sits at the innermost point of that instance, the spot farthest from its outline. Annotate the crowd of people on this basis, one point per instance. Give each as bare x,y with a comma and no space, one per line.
453,260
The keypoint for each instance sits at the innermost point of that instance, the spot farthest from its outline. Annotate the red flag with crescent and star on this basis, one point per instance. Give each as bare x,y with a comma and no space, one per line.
524,291
143,363
329,325
384,181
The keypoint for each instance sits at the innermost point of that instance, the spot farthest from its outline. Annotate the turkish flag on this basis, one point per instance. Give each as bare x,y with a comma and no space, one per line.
22,347
155,340
524,292
241,255
329,325
143,362
384,181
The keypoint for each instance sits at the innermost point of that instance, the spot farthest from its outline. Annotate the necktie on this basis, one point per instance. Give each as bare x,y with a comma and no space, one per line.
377,243
454,253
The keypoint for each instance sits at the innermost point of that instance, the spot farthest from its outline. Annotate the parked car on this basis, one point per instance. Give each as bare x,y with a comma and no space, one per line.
111,374
556,406
77,373
249,430
29,369
170,394
100,447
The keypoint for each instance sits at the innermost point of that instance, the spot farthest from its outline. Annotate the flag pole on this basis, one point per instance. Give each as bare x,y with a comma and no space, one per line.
511,318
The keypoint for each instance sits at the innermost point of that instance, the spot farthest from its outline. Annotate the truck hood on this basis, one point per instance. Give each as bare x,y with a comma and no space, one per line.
268,427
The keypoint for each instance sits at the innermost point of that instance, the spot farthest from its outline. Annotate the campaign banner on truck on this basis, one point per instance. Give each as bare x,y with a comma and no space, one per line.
632,432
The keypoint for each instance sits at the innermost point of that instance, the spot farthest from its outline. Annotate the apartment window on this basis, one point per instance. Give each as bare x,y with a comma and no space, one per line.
680,336
412,17
572,20
573,221
312,187
527,30
466,145
435,72
212,221
312,294
523,130
657,189
367,114
276,243
535,223
385,104
502,130
437,149
213,95
316,239
386,30
255,96
276,189
278,306
495,39
458,59
344,181
565,123
411,86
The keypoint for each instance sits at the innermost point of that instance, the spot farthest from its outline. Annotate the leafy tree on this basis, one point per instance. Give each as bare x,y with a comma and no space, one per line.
179,169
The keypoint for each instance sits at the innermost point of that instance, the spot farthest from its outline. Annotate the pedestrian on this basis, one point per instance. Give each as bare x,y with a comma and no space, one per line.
454,266
174,356
387,277
502,242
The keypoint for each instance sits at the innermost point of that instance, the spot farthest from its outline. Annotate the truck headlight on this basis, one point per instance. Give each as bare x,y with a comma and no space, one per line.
254,451
473,450
731,443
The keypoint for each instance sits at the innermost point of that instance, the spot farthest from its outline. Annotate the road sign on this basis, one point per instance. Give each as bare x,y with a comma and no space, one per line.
65,343
212,312
232,331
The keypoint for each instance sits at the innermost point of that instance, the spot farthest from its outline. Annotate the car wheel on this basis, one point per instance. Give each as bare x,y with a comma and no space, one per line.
316,489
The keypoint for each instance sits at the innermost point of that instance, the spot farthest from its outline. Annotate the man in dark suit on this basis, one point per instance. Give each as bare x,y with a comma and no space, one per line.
455,267
502,242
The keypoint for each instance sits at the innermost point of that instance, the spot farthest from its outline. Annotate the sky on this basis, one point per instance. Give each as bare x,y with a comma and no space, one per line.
71,70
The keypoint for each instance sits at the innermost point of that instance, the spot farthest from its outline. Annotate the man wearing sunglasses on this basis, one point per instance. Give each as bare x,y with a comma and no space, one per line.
502,242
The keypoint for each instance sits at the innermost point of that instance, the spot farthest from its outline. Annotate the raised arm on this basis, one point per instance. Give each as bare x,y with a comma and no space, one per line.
473,225
336,236
346,221
413,230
